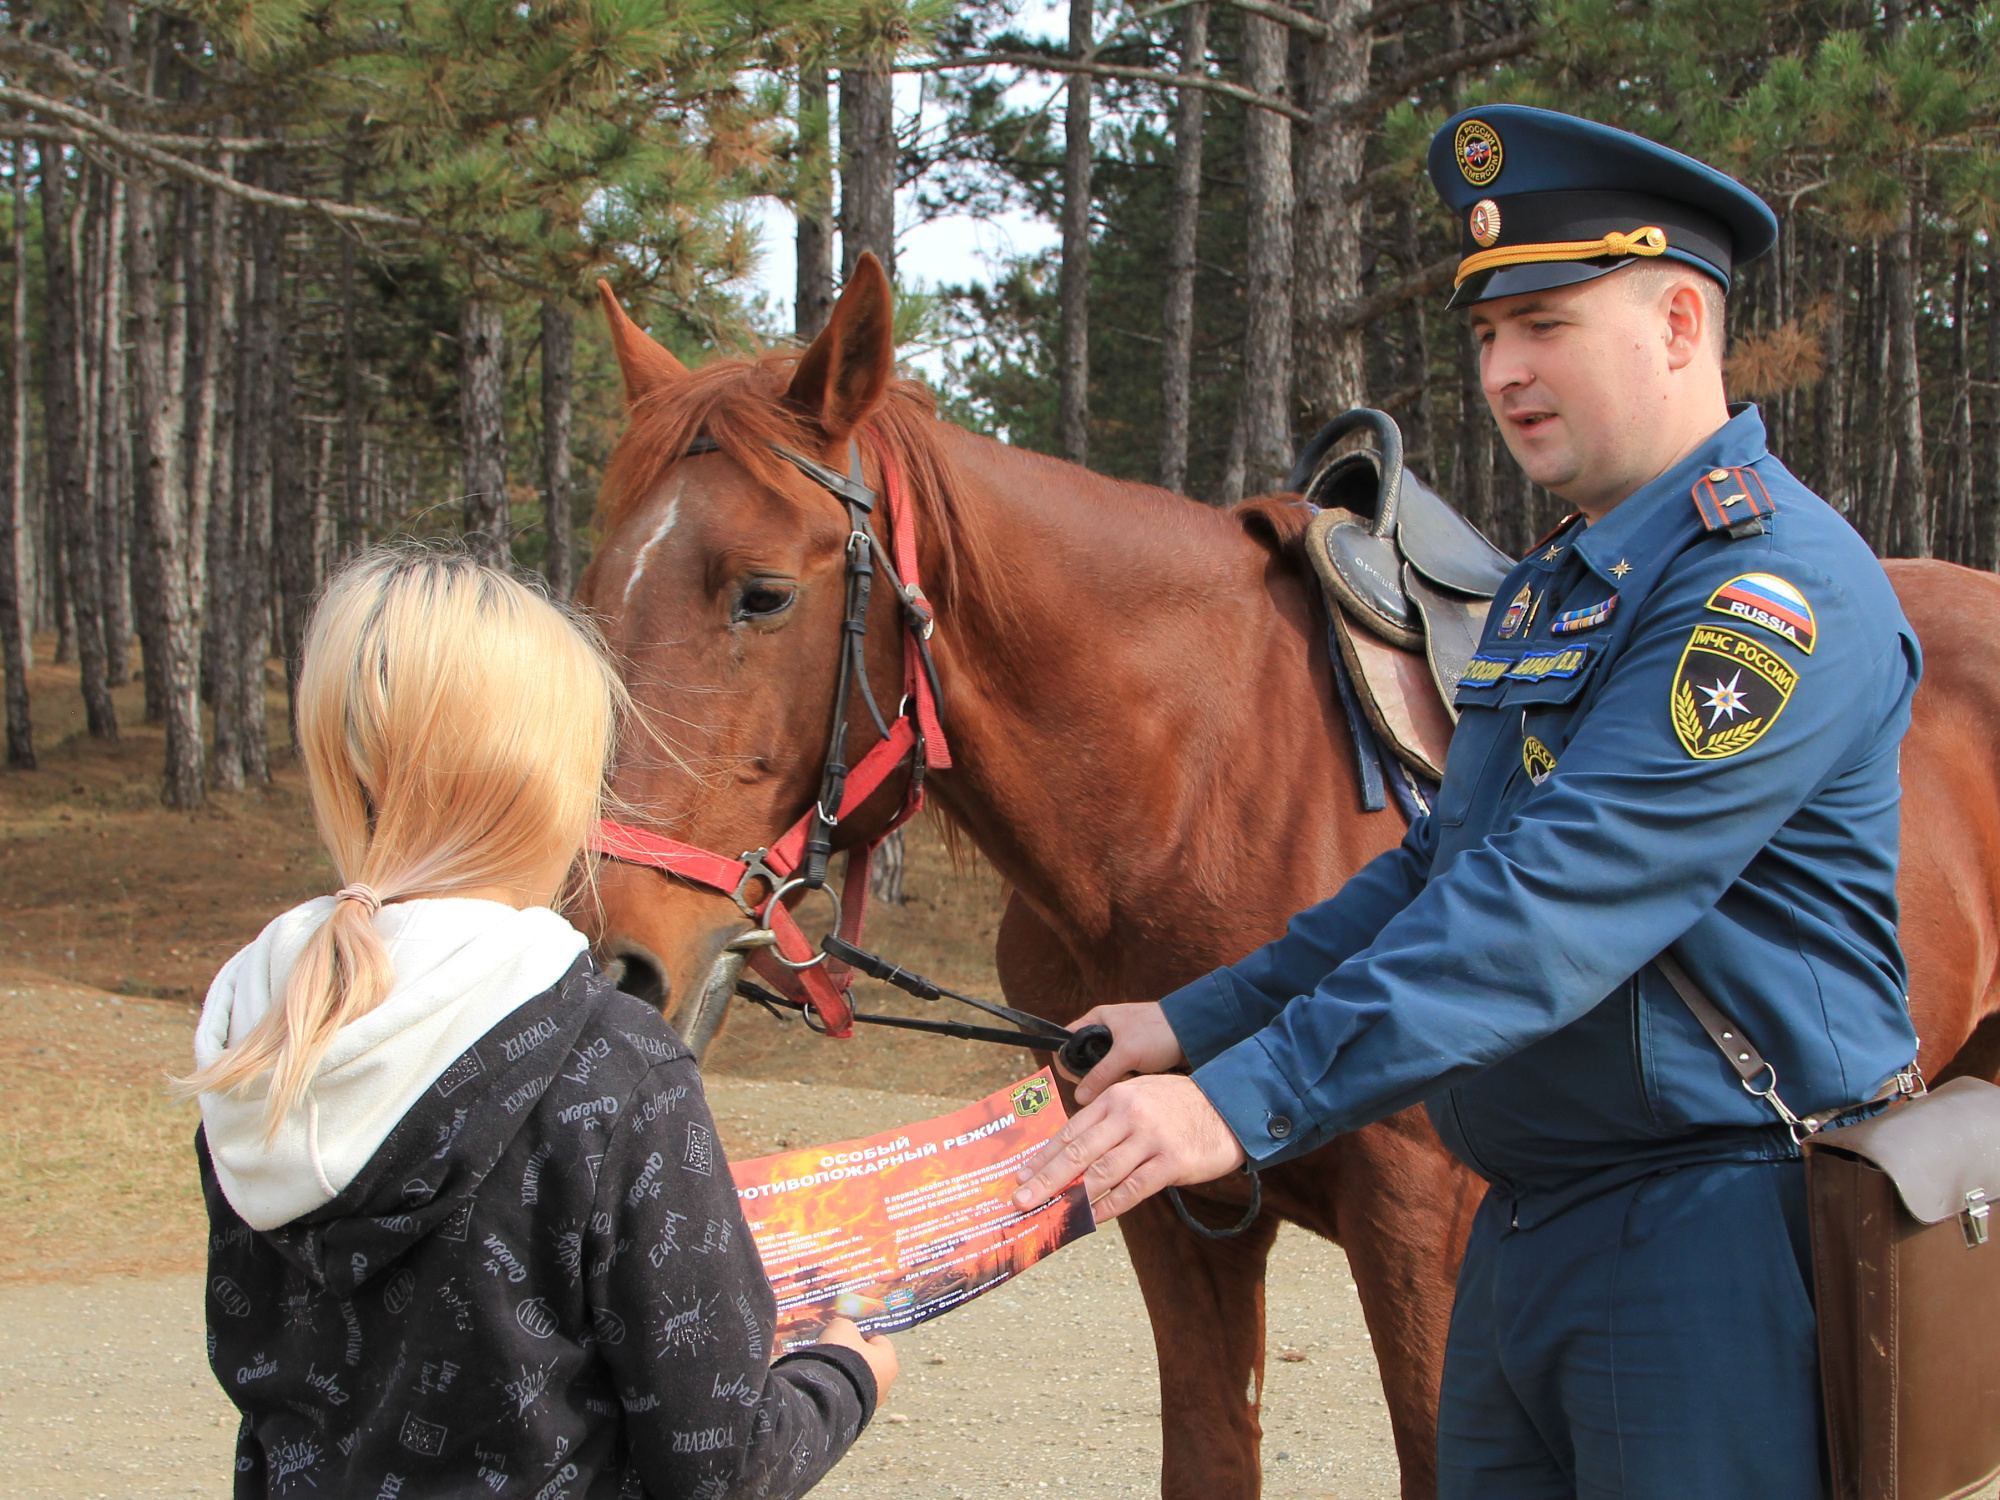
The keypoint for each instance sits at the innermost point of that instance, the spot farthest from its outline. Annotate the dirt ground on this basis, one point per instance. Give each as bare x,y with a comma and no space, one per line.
114,913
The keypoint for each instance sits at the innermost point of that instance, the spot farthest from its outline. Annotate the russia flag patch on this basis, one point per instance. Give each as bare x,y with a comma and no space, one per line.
1767,600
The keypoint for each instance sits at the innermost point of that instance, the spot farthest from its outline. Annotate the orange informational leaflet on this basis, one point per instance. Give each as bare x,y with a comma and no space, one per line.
902,1226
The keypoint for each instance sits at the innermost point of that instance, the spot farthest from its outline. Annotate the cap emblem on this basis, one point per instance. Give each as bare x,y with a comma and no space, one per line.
1484,222
1477,146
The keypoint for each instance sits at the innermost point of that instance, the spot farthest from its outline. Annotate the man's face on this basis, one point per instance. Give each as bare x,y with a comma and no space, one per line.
1577,378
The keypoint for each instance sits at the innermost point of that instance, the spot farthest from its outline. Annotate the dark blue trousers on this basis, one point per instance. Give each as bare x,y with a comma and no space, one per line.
1656,1342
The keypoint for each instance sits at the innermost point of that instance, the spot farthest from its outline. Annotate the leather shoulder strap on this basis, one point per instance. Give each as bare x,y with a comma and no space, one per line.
1726,1034
1749,1064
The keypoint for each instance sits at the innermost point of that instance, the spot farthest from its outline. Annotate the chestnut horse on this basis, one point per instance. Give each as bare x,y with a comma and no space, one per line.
1145,746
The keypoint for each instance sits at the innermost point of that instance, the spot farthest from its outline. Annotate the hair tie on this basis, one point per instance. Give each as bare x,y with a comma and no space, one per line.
367,895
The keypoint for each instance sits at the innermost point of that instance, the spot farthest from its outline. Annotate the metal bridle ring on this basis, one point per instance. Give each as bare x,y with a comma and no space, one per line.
779,895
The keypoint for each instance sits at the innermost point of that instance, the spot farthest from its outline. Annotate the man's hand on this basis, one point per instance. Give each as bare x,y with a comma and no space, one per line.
1141,1042
1144,1135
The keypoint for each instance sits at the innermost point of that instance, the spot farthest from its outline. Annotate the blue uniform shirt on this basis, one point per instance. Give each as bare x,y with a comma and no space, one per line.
1670,736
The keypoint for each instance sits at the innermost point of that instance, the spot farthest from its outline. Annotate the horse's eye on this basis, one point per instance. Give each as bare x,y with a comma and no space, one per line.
762,600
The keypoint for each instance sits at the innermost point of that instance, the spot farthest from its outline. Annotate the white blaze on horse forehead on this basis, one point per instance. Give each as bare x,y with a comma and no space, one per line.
660,532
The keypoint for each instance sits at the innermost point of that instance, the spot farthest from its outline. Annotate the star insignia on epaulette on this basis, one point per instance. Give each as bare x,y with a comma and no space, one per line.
1620,568
1552,554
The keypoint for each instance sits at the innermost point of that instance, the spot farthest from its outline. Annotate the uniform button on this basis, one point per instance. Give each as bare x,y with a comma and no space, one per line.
1718,475
1280,1127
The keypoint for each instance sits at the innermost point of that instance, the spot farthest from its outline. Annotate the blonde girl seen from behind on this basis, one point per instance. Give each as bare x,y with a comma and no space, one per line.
455,727
470,1218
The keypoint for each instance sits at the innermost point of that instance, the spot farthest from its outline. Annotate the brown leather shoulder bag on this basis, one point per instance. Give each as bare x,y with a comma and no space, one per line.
1906,1271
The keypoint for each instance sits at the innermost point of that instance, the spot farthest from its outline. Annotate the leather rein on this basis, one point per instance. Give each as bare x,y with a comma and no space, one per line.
797,860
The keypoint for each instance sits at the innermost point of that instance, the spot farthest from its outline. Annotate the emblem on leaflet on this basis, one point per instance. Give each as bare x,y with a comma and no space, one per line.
1727,692
1032,1097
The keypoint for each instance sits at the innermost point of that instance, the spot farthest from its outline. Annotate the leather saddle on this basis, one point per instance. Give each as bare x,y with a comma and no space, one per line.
1408,581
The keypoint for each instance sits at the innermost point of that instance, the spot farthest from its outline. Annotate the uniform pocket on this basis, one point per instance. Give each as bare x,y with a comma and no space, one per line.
1480,735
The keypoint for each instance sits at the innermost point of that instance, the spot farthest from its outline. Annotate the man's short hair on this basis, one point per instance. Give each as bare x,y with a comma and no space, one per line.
1653,280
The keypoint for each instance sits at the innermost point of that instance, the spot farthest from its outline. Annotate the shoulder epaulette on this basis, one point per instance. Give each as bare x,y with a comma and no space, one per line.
1733,500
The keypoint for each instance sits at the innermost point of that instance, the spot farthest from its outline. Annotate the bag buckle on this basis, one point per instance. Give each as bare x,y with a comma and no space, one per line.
1972,1219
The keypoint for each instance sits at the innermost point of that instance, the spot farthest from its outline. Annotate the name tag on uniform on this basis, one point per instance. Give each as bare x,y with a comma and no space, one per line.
1489,670
1565,661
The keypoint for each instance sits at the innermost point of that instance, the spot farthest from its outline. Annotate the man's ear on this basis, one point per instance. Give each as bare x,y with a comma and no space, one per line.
1690,323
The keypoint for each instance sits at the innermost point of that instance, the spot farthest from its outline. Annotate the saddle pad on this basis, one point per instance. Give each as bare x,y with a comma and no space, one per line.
1399,696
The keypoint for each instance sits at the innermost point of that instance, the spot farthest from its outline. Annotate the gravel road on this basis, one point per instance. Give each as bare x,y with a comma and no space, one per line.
1044,1384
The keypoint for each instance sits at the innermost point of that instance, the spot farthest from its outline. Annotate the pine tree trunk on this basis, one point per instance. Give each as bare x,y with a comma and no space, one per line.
1474,474
21,375
16,653
1833,390
61,392
1988,524
1419,423
558,357
298,518
172,529
211,336
1955,525
253,569
1073,292
213,463
221,642
111,494
1183,236
1332,368
483,438
867,164
1267,334
1910,506
812,202
353,530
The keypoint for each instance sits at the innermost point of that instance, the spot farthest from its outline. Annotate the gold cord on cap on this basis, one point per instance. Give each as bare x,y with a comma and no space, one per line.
367,895
1651,240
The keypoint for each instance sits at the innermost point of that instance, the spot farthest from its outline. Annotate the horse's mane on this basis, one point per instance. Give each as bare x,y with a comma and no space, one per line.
740,404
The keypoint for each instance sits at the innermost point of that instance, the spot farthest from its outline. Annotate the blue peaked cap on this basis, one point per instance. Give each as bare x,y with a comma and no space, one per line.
1545,199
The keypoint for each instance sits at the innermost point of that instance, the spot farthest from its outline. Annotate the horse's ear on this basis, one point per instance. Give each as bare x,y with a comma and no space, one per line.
843,377
646,362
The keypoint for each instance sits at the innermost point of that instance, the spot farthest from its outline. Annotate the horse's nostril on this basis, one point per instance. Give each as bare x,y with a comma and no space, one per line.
639,976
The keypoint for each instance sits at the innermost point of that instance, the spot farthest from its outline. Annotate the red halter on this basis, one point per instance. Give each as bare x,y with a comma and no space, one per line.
789,962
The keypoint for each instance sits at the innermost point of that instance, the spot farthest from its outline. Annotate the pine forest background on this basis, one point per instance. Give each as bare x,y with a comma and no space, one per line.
285,277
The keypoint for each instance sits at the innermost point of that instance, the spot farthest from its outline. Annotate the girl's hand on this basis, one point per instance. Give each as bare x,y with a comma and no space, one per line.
878,1351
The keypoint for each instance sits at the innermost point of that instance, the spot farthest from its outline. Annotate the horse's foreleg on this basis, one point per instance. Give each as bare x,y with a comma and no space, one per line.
1205,1298
1206,1302
1405,1207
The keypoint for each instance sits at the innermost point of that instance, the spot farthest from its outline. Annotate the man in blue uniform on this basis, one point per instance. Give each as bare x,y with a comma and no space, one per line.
1681,732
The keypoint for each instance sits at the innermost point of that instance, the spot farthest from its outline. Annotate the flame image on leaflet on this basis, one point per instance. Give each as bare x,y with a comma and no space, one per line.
900,1227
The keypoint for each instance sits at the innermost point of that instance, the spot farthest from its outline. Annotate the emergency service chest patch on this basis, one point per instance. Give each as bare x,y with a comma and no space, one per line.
1727,692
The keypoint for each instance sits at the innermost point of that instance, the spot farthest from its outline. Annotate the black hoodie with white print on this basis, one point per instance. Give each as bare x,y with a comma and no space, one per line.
539,1285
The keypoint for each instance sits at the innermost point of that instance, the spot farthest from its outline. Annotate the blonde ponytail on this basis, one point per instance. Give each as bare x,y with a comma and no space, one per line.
455,727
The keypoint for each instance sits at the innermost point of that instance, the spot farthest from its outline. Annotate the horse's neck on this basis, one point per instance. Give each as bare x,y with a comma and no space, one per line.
1140,716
